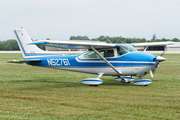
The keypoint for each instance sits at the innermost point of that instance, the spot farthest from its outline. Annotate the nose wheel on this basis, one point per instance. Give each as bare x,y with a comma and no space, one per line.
142,82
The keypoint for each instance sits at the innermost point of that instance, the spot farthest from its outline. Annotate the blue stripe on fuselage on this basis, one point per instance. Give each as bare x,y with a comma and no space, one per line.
127,60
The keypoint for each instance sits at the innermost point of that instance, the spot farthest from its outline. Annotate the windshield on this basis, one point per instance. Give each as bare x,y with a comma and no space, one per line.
125,48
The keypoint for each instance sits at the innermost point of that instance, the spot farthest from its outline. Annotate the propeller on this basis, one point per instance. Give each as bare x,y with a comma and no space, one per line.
151,73
158,59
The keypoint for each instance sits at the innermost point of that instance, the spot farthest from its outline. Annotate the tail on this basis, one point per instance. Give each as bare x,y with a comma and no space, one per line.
28,51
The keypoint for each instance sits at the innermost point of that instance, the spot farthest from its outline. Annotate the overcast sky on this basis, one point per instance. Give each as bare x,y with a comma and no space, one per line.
60,19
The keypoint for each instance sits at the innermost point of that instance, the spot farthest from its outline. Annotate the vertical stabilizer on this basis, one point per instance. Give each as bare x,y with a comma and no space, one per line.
23,39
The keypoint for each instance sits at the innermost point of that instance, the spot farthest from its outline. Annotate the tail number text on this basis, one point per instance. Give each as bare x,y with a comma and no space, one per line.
58,62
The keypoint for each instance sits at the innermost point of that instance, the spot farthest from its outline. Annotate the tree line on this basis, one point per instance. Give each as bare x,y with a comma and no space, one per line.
9,45
121,39
12,45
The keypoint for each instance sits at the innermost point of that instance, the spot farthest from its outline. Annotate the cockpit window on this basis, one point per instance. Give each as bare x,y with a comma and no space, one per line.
122,49
104,53
125,48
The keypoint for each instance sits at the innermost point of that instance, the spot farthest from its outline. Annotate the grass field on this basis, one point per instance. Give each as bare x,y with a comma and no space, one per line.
28,92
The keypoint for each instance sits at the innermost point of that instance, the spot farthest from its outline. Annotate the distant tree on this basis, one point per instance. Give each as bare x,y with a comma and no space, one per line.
129,40
153,37
164,39
141,40
72,37
8,47
102,38
79,37
0,46
3,44
86,38
108,39
14,44
175,40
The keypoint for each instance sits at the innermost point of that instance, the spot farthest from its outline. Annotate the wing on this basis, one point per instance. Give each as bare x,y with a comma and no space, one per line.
75,44
23,61
153,44
87,44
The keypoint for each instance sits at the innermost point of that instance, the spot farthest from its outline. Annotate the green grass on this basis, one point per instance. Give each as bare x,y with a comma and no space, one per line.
28,92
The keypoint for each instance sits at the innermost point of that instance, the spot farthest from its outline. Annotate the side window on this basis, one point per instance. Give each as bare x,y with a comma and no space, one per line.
108,53
104,53
90,54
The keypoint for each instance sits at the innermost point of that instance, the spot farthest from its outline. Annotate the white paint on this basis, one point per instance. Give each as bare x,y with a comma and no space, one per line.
92,81
127,78
142,82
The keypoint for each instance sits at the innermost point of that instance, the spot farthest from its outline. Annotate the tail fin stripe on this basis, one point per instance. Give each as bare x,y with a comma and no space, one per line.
20,44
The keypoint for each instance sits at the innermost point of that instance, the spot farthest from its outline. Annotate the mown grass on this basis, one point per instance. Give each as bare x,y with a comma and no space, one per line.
28,92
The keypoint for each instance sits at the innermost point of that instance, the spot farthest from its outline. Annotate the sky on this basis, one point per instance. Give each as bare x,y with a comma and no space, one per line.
61,19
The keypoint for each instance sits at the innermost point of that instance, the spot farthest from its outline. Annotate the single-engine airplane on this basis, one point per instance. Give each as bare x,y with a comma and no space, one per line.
121,60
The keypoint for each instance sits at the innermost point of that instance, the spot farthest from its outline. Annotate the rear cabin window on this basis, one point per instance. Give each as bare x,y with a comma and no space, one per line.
104,53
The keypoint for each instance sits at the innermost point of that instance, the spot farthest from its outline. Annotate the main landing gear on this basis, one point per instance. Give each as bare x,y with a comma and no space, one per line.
93,81
140,82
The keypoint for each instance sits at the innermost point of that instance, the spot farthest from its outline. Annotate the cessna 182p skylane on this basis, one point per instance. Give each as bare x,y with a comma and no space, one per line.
121,60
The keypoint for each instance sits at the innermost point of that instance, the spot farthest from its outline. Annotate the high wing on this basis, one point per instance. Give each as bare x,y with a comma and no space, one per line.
152,44
87,44
74,44
23,61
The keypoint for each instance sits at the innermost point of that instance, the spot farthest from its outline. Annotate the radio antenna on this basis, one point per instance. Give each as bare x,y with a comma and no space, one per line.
108,40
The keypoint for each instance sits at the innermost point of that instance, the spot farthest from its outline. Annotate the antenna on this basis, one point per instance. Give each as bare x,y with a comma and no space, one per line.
108,39
97,39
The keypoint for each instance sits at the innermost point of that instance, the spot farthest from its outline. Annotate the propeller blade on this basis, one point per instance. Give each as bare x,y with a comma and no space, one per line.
158,59
163,51
155,67
151,73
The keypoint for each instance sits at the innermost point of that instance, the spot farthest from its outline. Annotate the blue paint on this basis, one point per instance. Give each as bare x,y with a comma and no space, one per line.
128,78
142,81
37,43
127,60
90,80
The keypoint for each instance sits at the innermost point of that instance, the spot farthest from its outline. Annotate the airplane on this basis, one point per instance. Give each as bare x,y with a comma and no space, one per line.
120,60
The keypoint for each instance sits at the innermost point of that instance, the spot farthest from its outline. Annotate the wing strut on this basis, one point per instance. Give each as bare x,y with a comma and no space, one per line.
145,49
118,72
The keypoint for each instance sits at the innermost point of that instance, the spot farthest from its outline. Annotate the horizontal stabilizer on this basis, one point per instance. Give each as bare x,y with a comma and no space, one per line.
23,61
